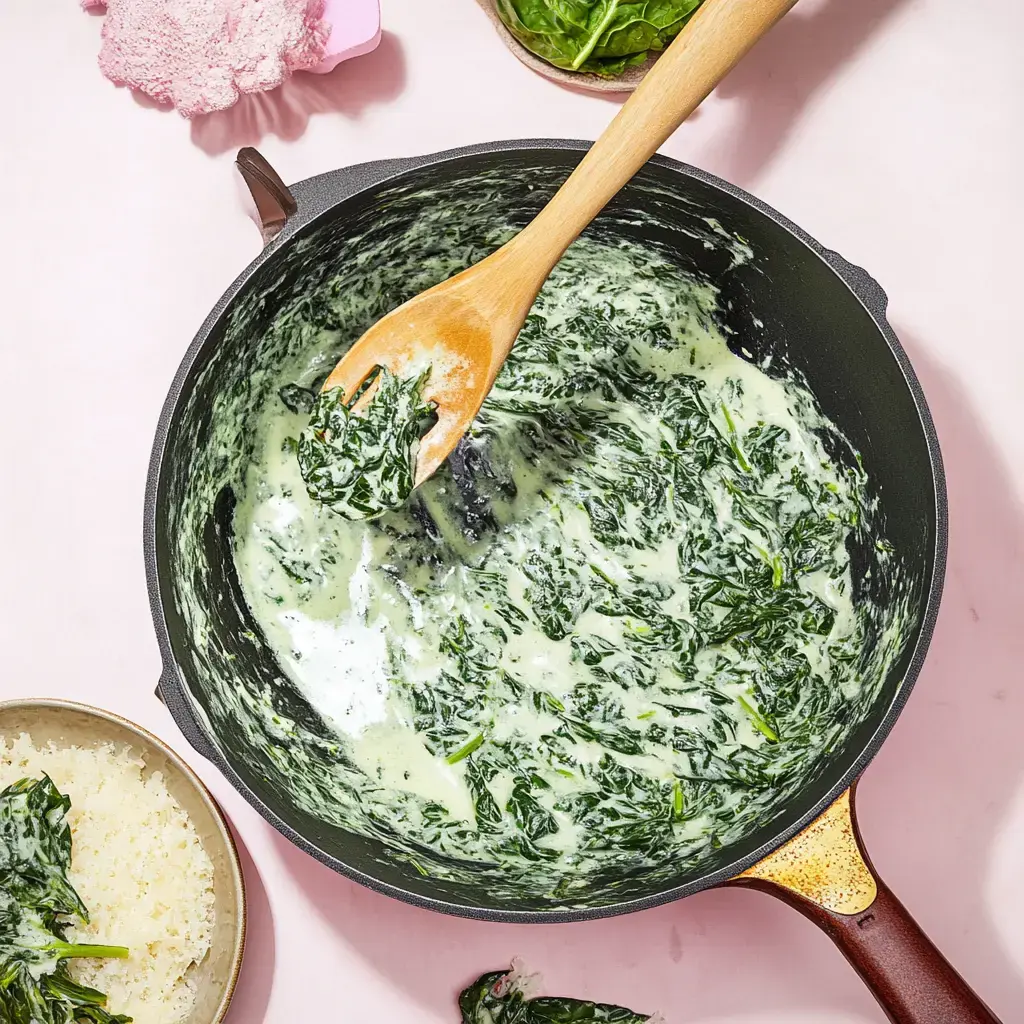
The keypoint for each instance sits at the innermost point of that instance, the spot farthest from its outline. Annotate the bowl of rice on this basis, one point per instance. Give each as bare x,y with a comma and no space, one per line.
152,858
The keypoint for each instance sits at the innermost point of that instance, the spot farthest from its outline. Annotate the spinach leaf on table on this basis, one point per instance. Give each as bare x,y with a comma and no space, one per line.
499,998
35,854
603,37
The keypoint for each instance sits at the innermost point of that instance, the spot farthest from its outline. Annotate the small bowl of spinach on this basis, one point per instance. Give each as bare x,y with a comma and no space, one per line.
601,45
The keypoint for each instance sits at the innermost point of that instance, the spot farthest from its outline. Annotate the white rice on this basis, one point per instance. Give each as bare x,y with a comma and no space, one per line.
140,869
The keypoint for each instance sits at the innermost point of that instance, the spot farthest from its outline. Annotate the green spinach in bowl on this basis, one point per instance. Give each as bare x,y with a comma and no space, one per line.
602,37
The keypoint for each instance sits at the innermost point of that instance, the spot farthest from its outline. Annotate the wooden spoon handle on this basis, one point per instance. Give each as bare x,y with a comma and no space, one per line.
715,39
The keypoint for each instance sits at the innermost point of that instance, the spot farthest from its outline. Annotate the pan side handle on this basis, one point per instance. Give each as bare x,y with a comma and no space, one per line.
271,200
825,873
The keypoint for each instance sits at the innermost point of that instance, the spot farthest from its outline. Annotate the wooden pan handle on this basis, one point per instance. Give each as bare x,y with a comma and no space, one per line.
272,201
912,980
704,52
825,874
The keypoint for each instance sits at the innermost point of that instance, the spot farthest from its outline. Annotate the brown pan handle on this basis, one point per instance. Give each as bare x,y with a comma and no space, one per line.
272,201
825,873
912,980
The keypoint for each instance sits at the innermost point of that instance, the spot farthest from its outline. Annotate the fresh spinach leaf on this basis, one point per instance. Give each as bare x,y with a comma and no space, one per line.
603,37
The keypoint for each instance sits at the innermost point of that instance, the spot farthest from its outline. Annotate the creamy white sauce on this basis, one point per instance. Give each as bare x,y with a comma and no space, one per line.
357,614
344,633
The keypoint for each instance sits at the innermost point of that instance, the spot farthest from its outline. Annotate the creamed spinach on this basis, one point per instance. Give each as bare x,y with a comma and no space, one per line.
361,465
610,636
504,997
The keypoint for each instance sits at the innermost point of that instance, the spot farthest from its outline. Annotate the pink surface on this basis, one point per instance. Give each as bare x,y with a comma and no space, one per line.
355,30
889,129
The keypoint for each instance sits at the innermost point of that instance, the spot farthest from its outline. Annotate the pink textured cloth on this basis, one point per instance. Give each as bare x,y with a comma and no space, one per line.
200,55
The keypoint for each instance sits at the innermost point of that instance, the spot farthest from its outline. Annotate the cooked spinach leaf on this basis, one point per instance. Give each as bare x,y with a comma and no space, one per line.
35,854
362,464
35,847
501,998
603,37
297,398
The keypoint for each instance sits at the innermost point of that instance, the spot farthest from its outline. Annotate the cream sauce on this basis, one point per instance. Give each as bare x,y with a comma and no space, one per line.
418,681
359,621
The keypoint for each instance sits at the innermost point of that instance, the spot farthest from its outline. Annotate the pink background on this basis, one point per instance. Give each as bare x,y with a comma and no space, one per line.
889,129
355,30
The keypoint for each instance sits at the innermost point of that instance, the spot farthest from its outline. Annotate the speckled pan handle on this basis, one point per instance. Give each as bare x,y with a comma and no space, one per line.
825,873
273,200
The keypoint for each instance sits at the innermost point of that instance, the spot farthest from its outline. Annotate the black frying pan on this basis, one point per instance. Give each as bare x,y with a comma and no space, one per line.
818,314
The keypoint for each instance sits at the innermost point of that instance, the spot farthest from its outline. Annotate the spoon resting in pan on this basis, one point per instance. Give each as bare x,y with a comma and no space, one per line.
464,328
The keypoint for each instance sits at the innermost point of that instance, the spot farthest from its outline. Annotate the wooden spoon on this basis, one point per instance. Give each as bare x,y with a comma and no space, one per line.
464,328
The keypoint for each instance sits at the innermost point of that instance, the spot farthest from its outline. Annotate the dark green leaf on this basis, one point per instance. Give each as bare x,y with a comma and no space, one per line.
297,399
498,998
600,36
360,465
35,854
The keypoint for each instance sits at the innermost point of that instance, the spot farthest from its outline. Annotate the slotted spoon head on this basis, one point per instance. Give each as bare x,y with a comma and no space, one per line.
462,330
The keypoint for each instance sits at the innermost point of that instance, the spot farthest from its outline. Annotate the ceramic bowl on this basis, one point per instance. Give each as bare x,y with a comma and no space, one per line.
67,723
624,83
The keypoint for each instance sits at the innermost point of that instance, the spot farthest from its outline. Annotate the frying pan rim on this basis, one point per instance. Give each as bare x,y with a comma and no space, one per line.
318,197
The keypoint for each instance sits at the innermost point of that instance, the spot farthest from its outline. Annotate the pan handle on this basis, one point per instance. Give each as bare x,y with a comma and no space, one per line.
186,723
825,873
272,200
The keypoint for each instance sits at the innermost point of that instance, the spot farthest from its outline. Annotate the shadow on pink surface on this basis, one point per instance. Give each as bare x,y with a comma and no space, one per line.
930,807
252,994
778,78
942,785
351,88
716,955
782,74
